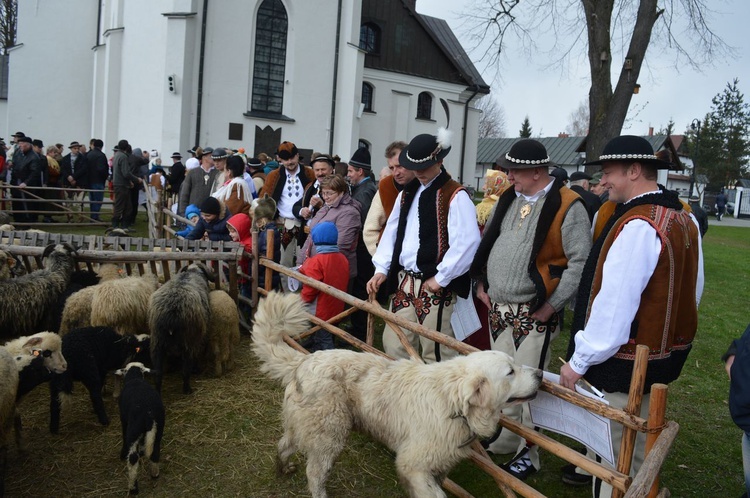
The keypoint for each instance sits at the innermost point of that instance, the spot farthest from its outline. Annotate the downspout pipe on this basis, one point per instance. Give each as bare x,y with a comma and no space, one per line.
201,63
335,79
463,133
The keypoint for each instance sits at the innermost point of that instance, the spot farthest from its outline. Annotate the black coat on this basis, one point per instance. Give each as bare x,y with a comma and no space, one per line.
590,200
98,167
27,168
176,176
739,386
79,171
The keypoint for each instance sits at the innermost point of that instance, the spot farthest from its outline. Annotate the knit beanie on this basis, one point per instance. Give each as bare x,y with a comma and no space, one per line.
325,233
211,206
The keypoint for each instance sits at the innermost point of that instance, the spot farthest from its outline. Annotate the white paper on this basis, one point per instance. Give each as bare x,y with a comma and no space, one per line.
552,413
464,318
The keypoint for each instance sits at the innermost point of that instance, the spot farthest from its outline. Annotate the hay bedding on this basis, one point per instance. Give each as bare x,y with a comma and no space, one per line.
219,441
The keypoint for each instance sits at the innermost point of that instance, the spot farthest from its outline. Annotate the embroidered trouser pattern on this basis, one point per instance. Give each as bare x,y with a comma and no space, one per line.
433,311
513,331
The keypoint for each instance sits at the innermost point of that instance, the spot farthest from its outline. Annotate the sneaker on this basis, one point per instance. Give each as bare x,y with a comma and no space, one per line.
520,466
573,478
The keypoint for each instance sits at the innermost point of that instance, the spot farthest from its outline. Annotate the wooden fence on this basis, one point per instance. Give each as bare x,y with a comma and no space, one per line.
166,256
660,432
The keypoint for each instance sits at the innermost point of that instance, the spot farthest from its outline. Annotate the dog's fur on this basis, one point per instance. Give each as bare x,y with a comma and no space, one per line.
427,414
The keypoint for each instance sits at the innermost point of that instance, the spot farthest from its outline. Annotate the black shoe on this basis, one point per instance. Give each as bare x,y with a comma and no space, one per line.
520,466
573,478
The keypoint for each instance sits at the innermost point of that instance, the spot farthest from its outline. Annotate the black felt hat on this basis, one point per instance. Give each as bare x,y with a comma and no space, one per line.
629,148
324,158
176,155
527,153
560,174
361,159
580,175
425,150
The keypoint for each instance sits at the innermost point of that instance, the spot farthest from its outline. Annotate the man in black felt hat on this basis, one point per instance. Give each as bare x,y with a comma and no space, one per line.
364,188
426,249
579,183
527,268
286,185
176,174
27,172
641,285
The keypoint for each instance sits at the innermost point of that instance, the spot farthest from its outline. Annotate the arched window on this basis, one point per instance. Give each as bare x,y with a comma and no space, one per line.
369,38
270,57
367,96
424,106
363,144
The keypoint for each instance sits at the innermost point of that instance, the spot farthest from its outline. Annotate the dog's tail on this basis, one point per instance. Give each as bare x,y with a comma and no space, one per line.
279,314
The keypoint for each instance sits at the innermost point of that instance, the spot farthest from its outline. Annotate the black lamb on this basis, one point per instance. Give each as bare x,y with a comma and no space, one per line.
91,352
79,279
142,418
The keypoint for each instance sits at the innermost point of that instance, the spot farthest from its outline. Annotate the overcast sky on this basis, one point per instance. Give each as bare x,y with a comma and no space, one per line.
524,85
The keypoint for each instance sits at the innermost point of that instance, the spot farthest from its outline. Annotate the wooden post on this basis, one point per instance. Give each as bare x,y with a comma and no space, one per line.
270,236
635,397
254,271
656,416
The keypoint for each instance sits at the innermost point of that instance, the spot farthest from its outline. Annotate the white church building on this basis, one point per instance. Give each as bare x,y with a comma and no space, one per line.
328,75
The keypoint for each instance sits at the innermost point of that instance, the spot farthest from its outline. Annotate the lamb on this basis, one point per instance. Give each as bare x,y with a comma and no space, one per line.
223,333
123,304
142,418
8,389
30,299
35,358
76,311
178,317
91,352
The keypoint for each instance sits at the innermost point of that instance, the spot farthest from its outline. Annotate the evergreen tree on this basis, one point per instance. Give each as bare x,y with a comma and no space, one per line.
525,131
721,152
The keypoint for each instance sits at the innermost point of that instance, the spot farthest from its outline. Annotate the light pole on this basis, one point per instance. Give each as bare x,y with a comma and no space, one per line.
695,125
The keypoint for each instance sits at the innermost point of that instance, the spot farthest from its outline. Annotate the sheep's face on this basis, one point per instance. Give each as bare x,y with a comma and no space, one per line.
134,365
48,345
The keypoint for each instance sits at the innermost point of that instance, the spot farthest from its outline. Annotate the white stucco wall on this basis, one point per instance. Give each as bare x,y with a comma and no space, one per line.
394,117
66,85
51,71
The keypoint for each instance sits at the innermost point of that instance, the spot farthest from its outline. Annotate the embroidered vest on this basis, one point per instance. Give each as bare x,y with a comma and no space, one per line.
667,317
434,203
547,260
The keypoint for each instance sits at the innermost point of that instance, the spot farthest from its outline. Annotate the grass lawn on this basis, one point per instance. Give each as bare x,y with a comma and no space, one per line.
220,441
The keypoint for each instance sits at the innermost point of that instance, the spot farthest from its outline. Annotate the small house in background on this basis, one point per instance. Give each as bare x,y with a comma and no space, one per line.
569,153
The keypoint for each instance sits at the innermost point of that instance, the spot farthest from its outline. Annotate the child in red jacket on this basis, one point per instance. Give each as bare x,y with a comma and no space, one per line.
330,267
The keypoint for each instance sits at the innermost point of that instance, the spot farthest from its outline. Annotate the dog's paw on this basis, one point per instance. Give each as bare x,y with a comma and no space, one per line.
285,468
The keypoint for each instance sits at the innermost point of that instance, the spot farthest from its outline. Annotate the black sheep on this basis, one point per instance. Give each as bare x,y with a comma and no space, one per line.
79,279
142,418
178,317
91,352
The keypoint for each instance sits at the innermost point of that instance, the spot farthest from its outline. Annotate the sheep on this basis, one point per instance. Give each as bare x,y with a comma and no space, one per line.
74,306
30,299
5,218
178,317
123,304
8,389
223,333
142,418
7,262
36,358
91,352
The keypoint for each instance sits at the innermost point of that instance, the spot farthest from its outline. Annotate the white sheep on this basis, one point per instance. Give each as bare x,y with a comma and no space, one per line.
8,389
28,351
76,313
29,301
142,419
223,333
123,304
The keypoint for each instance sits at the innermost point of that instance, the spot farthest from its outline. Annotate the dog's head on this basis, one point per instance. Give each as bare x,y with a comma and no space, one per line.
494,382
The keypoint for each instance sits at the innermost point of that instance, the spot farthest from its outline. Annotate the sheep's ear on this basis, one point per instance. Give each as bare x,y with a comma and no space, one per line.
120,372
71,248
33,341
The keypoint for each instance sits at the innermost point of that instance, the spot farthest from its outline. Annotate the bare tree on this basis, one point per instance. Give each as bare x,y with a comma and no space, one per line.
492,121
8,23
608,28
578,121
